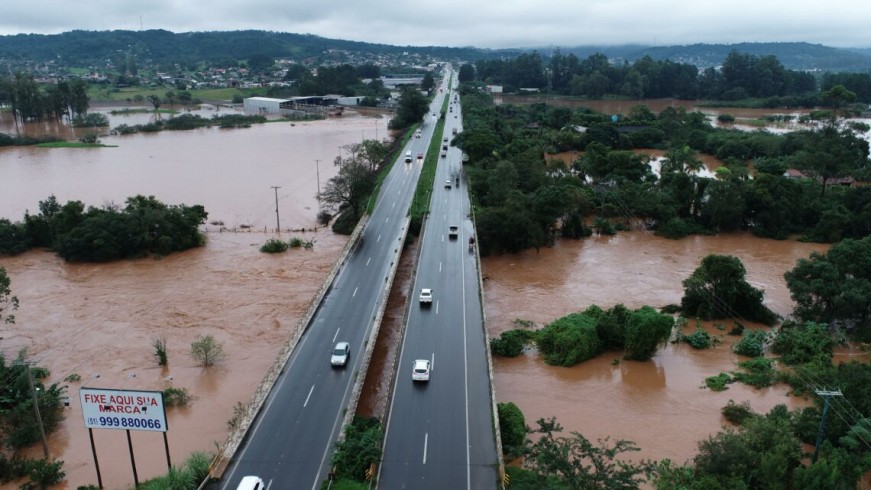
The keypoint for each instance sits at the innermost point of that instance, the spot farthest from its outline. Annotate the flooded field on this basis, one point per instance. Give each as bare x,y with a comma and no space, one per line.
660,404
99,320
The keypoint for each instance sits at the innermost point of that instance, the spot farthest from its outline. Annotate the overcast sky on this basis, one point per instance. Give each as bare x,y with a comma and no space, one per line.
480,23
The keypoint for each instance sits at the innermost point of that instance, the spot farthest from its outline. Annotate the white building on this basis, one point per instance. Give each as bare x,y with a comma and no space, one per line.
263,105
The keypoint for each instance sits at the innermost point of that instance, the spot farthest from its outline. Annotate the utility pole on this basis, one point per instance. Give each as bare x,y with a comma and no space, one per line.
318,175
36,409
827,395
277,220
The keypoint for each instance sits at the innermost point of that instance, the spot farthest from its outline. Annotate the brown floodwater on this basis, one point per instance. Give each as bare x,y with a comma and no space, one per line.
99,320
660,404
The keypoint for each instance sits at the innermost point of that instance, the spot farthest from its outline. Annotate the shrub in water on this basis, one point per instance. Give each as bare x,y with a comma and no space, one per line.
273,246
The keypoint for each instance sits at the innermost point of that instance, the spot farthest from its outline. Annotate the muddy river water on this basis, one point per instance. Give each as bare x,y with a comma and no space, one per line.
98,320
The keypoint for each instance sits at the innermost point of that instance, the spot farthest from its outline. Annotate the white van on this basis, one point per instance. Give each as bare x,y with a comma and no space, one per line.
408,157
251,483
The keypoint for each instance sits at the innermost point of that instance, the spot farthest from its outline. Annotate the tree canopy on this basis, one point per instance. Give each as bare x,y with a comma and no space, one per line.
718,289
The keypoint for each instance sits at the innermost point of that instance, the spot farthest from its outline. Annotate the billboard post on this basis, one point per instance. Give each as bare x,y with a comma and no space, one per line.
105,408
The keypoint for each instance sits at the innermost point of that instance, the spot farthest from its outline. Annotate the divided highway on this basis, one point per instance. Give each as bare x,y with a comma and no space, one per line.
291,441
440,433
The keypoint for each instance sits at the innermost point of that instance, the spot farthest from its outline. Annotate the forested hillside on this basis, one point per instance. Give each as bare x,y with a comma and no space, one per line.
85,48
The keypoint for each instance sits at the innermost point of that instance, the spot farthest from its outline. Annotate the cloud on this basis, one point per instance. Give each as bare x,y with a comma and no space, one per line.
509,23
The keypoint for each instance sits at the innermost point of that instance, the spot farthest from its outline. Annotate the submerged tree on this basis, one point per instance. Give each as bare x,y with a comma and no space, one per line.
717,289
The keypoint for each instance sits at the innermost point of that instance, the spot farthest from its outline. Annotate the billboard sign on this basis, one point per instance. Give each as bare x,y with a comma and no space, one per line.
123,409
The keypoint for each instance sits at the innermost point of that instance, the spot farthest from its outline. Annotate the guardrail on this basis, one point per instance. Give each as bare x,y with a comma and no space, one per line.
235,438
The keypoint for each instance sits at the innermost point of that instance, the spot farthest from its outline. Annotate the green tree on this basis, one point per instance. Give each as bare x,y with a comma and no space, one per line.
206,350
360,448
512,426
579,464
413,105
835,287
428,82
170,96
8,302
350,187
646,330
569,340
718,289
155,101
466,73
828,153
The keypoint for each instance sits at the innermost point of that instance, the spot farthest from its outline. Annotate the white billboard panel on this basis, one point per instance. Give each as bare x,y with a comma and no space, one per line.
123,409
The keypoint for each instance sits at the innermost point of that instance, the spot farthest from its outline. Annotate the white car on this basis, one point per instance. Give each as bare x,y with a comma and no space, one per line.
341,353
251,483
448,184
453,232
421,370
426,296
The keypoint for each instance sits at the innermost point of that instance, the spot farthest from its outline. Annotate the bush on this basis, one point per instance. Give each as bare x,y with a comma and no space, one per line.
646,331
512,426
726,118
176,397
736,413
674,229
718,382
700,339
510,343
801,344
359,449
88,138
159,345
758,372
295,242
752,343
206,350
273,246
569,340
738,329
44,474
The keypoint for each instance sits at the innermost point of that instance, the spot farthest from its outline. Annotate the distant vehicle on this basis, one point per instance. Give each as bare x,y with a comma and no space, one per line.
420,156
421,369
448,184
408,157
453,232
445,147
444,154
426,296
454,131
417,134
341,353
445,139
254,482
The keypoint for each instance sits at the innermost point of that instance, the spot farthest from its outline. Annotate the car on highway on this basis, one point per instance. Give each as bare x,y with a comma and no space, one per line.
251,483
453,232
408,157
448,184
420,156
426,296
445,139
420,371
444,154
341,353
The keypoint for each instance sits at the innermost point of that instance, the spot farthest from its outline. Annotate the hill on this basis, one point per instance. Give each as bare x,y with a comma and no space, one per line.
93,48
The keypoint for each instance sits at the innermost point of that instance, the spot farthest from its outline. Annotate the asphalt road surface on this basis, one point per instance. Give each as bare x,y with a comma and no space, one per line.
292,440
440,433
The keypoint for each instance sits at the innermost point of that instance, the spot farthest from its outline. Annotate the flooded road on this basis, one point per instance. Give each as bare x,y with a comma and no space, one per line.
99,320
661,404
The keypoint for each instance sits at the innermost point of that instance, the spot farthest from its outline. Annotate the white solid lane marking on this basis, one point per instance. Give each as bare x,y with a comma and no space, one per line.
367,261
309,396
337,334
440,266
425,440
437,308
355,292
432,362
269,484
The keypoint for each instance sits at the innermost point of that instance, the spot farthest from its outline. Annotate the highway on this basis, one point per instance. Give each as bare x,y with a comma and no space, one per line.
291,442
440,433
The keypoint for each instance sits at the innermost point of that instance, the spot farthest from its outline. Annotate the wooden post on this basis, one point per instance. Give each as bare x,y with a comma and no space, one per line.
132,459
96,463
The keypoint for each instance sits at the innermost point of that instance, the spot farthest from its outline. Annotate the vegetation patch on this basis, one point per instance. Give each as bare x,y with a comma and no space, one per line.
718,382
360,449
752,343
